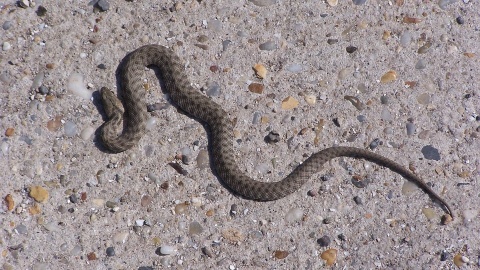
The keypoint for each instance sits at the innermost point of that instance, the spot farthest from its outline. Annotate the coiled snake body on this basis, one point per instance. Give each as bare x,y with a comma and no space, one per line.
196,104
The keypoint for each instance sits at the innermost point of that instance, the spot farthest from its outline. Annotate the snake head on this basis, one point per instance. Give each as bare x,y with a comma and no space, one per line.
111,104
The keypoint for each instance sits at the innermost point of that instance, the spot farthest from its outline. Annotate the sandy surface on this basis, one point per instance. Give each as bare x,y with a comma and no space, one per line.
121,211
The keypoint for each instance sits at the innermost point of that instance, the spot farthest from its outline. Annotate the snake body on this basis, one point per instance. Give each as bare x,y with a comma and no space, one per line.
221,130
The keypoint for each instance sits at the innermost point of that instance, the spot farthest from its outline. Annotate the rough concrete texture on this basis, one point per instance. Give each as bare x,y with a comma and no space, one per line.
411,66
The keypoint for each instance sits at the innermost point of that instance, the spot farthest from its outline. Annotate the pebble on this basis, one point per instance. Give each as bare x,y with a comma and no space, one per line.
310,99
225,44
87,133
289,103
330,256
256,88
167,250
52,226
332,41
324,241
444,3
361,118
444,255
110,251
21,229
120,237
294,214
421,64
6,46
351,49
9,202
38,193
203,159
386,115
233,235
207,252
263,3
213,89
405,38
272,137
195,228
390,76
9,132
43,90
256,118
295,68
410,128
103,5
76,85
268,46
425,48
73,198
70,128
358,200
431,153
7,25
260,71
408,188
280,254
460,20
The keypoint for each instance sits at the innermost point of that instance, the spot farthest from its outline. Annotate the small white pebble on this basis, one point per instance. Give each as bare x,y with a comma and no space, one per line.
151,123
294,214
6,46
77,87
83,55
167,250
120,237
87,133
465,259
139,222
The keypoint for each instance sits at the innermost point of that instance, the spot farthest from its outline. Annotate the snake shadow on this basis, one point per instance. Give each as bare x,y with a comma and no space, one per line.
98,104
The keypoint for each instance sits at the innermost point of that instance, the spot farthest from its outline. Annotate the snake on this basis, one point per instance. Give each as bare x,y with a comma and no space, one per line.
126,125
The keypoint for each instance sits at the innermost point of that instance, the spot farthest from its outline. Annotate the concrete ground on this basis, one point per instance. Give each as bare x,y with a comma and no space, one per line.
397,77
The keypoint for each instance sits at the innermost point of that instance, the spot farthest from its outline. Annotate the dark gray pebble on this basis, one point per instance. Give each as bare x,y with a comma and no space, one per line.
359,183
327,220
73,198
225,44
145,268
233,210
444,256
332,41
460,20
342,237
384,100
358,200
41,11
359,2
268,46
102,66
6,25
375,143
351,49
324,241
361,118
103,5
43,90
213,89
272,137
21,229
207,252
110,252
187,159
430,153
